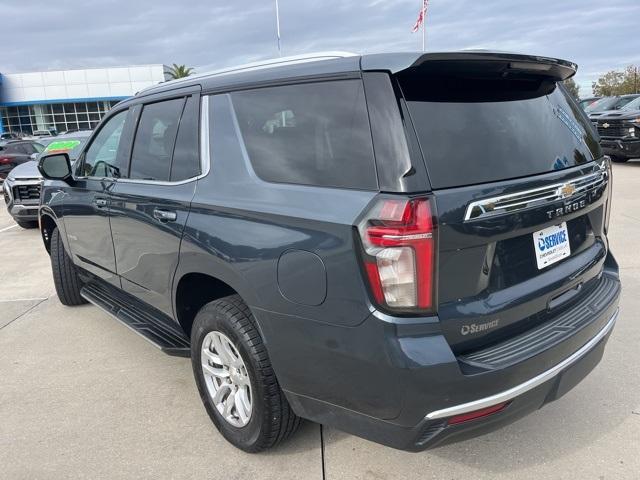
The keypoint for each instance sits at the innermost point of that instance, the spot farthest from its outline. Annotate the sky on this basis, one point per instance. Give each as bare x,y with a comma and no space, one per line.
60,34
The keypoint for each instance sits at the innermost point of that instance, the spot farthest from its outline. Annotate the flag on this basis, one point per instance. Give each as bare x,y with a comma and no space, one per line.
421,15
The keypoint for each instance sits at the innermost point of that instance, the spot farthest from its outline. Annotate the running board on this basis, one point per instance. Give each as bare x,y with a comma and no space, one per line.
156,327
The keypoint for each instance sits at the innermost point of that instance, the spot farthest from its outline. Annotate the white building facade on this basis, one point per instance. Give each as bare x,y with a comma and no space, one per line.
69,99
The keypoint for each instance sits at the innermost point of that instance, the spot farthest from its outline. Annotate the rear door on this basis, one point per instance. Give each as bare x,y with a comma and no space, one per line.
150,207
520,189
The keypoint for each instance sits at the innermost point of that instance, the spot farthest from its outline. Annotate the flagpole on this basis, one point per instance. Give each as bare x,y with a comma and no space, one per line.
278,28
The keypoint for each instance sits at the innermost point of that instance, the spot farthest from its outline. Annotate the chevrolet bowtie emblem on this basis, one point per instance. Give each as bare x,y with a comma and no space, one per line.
605,125
567,190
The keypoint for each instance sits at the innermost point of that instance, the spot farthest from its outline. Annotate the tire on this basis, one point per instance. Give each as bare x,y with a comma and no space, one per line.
271,419
26,224
619,159
65,275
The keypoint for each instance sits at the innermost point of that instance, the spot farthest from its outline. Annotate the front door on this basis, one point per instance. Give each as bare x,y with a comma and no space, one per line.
149,209
86,202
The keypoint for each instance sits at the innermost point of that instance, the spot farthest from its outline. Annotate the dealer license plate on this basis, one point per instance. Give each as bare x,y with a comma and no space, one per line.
551,245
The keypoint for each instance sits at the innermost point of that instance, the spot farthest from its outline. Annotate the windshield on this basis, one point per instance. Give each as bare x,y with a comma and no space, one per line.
610,103
632,105
71,146
605,103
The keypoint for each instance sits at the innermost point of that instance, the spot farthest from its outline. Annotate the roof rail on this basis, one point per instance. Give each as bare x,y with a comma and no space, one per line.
262,64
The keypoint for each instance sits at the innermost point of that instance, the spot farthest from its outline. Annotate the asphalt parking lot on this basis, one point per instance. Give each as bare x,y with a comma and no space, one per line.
81,396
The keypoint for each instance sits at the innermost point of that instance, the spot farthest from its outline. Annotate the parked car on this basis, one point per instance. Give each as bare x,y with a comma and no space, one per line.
21,188
585,102
8,136
379,243
16,152
620,132
43,133
606,104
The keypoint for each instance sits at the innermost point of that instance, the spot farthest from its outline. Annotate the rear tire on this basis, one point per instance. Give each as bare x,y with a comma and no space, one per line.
270,417
616,159
65,275
26,224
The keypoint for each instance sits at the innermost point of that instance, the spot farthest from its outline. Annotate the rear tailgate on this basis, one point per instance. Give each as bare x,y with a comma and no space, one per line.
513,163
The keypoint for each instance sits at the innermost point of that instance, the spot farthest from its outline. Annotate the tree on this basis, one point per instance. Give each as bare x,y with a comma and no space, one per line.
618,82
573,88
179,71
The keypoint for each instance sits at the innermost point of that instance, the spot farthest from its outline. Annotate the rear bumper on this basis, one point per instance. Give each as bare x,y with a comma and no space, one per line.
621,148
434,429
397,381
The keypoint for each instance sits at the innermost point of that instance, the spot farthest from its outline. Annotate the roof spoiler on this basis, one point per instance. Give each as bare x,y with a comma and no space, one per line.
471,61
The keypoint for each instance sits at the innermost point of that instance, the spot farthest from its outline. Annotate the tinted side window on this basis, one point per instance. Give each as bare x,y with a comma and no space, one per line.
101,159
312,134
155,139
26,148
186,156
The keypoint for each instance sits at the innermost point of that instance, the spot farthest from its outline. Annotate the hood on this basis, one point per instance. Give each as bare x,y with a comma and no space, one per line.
616,115
25,170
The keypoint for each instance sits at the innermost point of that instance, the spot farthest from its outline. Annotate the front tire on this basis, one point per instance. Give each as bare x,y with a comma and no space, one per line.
229,358
26,224
65,275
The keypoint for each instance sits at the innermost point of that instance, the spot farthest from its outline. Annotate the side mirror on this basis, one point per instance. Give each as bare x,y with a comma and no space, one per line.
55,166
33,156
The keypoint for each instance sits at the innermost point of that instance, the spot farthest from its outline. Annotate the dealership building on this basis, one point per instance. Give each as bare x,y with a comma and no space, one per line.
69,99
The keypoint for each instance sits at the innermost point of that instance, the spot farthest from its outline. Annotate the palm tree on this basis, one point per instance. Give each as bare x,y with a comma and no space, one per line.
179,71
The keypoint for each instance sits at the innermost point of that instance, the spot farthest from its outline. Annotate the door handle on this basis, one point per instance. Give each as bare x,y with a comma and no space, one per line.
164,215
100,202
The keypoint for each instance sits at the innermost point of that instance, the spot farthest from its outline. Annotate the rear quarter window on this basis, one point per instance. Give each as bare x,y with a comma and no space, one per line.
311,134
155,140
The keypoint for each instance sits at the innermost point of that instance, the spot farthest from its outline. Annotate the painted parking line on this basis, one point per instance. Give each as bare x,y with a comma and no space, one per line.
36,299
8,228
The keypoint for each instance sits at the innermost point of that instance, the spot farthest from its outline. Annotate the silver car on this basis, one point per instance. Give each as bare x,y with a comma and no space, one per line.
22,186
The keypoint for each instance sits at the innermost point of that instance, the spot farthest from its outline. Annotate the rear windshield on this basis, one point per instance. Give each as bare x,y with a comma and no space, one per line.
482,130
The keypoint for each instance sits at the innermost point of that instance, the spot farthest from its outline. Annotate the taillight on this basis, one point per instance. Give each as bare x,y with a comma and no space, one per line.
398,237
5,160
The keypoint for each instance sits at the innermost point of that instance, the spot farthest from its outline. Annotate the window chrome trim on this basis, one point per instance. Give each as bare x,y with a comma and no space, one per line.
204,154
513,202
530,384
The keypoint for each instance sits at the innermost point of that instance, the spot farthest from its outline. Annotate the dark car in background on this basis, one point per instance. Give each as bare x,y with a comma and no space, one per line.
380,243
16,152
606,104
585,102
619,131
21,188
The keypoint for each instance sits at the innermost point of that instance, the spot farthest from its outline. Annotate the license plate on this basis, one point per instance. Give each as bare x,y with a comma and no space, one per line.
551,245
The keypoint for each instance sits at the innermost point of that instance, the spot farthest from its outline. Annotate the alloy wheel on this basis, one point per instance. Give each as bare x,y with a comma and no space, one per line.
227,379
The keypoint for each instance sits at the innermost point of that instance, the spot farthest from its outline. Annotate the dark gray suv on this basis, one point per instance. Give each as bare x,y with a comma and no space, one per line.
409,247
